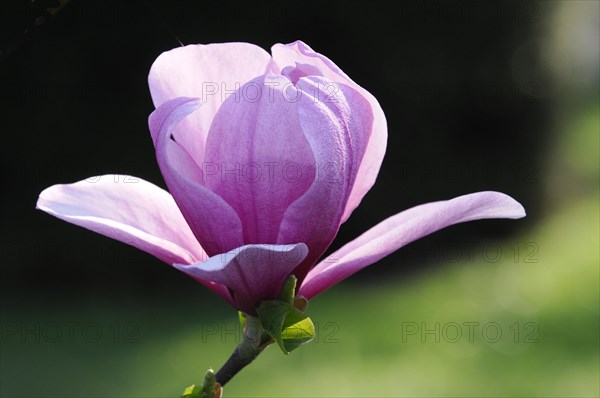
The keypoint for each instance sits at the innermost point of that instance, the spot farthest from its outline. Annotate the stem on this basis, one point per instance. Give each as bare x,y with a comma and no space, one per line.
234,364
254,341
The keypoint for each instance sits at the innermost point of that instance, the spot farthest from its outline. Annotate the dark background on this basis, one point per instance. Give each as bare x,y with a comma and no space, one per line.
75,104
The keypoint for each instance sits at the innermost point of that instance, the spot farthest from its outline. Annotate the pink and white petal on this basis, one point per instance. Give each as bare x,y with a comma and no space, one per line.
301,53
290,55
331,128
127,209
214,223
208,72
261,161
372,159
404,228
252,273
351,109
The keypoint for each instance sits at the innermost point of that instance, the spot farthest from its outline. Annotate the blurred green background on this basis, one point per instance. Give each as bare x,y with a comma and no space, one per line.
486,95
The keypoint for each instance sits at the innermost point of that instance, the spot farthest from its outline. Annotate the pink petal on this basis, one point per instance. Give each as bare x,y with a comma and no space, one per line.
207,72
333,119
253,273
402,229
300,53
127,209
215,224
257,157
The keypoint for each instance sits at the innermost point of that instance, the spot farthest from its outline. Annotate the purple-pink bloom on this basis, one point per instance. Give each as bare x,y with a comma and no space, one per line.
264,156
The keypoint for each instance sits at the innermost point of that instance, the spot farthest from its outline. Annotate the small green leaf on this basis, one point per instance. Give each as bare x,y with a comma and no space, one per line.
272,314
298,329
242,318
192,391
288,290
286,324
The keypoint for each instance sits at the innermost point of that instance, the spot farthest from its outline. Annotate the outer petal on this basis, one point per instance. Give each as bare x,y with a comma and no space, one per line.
215,224
402,229
127,209
208,72
299,52
333,120
253,273
257,157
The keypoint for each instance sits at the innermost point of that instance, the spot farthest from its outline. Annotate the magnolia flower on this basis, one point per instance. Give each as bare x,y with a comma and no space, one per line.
264,156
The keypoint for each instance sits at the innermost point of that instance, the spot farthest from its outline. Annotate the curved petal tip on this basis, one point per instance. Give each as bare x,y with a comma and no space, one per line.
253,273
